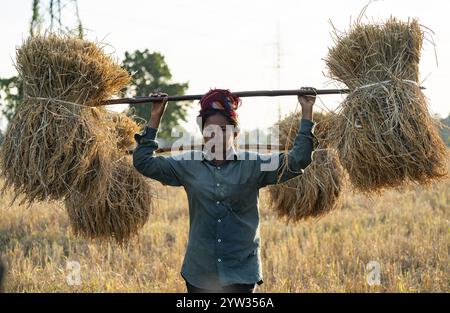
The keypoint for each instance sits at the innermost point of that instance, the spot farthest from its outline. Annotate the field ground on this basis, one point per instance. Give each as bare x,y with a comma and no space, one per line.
406,231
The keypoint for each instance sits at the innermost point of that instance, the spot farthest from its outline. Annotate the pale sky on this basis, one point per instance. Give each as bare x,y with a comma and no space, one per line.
232,44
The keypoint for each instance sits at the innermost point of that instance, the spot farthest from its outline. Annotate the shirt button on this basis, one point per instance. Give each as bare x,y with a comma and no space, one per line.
217,202
218,184
219,220
218,167
219,240
219,259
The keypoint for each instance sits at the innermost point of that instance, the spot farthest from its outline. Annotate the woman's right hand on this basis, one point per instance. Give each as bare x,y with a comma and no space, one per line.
158,108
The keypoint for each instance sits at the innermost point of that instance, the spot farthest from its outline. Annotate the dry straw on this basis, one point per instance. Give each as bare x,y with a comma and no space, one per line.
125,128
384,133
52,144
319,189
61,144
51,149
120,214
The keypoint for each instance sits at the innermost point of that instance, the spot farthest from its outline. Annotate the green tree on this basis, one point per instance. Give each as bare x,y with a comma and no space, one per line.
445,130
151,73
11,93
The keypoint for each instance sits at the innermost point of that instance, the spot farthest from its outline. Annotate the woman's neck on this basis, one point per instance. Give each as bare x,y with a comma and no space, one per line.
218,162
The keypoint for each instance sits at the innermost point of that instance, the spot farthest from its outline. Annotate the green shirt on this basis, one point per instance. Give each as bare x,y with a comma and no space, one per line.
224,242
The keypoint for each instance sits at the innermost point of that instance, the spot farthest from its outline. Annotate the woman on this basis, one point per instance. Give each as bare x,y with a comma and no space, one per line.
222,186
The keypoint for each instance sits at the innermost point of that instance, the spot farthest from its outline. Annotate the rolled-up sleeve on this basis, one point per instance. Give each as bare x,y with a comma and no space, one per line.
164,169
272,167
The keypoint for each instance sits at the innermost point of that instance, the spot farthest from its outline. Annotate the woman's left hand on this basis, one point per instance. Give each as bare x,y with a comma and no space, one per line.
307,102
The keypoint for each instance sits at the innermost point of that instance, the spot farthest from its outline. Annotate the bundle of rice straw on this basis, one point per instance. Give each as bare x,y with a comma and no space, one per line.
288,128
61,144
322,128
125,128
56,143
318,190
50,149
384,133
120,214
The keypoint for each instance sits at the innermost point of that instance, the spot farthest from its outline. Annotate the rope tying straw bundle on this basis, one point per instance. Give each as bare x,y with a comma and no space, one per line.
382,83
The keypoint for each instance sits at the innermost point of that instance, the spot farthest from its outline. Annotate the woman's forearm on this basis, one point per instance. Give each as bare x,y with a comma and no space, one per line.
158,108
155,119
307,114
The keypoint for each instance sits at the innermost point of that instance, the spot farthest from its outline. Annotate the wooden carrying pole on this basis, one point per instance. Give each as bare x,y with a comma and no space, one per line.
258,93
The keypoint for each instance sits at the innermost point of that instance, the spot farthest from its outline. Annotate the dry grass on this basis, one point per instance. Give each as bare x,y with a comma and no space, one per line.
406,231
384,133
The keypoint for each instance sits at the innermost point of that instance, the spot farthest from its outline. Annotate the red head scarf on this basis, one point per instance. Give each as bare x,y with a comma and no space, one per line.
220,99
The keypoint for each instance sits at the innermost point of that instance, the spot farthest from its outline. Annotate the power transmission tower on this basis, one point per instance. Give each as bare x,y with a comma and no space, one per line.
55,15
278,65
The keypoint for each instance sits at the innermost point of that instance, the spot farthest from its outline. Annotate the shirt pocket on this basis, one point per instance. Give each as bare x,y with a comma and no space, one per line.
241,197
200,190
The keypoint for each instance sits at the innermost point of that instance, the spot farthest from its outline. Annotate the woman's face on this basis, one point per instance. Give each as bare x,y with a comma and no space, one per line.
218,133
